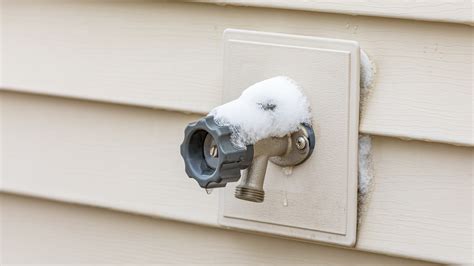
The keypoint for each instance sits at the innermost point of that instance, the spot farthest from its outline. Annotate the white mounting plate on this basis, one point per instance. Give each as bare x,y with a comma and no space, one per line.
318,201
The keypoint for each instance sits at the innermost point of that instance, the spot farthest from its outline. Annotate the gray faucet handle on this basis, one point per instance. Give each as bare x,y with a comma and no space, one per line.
209,156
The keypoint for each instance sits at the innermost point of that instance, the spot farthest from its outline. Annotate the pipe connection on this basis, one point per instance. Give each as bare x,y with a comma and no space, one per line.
213,161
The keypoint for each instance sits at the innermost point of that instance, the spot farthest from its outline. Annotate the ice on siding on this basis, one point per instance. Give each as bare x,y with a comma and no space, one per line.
365,164
367,76
366,171
269,108
367,72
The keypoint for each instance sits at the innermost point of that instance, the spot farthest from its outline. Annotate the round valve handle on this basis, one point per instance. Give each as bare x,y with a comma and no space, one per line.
209,156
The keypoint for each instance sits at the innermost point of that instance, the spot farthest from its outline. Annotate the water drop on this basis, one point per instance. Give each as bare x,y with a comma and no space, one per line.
288,170
209,191
285,199
348,25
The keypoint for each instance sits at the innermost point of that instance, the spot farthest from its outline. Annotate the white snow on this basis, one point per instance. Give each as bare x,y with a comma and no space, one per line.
365,164
271,108
366,170
367,71
366,176
367,78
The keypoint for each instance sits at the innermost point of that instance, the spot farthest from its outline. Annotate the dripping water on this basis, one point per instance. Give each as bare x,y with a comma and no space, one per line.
285,199
287,171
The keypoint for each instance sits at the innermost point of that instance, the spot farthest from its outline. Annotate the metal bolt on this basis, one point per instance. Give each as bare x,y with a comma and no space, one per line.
213,151
301,142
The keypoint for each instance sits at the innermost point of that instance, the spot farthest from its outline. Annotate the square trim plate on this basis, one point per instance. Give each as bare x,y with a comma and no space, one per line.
318,200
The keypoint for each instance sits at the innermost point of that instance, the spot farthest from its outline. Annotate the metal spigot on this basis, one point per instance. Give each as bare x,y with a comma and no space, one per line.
290,150
213,161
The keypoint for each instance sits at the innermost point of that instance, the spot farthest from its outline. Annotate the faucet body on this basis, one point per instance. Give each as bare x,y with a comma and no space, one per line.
213,161
251,183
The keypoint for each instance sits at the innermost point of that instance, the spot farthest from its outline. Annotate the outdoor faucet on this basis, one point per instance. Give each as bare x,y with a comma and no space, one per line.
213,160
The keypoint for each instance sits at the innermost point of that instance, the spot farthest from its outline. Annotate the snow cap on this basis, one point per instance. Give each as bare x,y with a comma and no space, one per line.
273,107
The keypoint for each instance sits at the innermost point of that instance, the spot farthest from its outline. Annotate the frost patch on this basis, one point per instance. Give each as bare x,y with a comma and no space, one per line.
366,173
365,164
367,79
367,72
271,108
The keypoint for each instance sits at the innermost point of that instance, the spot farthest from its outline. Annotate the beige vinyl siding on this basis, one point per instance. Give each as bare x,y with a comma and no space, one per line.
456,11
94,97
53,232
169,55
127,158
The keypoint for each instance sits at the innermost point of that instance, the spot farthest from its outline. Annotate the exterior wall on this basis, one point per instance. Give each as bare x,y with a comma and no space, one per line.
169,55
436,10
127,158
39,231
81,82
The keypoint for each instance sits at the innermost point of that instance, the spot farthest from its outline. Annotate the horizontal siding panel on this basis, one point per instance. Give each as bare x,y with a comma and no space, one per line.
101,155
457,11
82,235
169,56
421,201
127,158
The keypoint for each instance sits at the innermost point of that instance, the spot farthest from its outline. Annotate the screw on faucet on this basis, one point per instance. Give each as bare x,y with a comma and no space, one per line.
301,142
